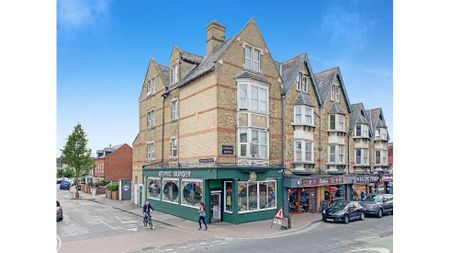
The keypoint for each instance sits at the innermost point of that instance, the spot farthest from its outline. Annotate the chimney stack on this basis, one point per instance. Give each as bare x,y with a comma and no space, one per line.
215,35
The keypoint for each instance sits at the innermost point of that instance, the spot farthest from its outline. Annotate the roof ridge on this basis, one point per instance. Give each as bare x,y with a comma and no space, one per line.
293,58
327,70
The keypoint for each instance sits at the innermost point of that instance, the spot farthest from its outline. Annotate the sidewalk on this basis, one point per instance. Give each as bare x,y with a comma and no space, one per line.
250,230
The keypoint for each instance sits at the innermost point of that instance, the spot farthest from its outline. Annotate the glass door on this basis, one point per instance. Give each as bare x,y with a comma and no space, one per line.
215,209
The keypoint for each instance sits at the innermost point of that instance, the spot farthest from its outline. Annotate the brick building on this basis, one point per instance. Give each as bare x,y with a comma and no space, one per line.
241,132
113,163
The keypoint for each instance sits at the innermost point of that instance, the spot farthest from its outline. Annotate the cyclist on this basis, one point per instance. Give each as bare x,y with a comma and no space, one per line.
147,209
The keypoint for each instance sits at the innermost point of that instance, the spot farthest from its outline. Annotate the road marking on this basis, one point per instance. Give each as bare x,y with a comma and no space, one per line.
133,229
125,222
58,243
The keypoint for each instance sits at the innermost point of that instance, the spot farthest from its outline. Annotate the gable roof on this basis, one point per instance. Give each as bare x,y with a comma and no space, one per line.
358,116
374,115
111,149
163,73
303,99
289,71
324,81
336,108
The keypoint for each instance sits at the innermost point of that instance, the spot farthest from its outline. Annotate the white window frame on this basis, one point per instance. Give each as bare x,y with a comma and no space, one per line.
260,100
249,132
243,100
181,189
174,73
172,141
305,83
164,180
151,122
174,109
258,209
300,111
255,64
298,85
341,149
302,154
364,156
341,122
335,122
150,153
151,86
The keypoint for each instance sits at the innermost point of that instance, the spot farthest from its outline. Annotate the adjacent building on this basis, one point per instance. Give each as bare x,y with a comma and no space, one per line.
113,163
242,132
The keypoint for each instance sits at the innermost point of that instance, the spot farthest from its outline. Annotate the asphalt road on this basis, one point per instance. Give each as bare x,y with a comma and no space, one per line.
369,236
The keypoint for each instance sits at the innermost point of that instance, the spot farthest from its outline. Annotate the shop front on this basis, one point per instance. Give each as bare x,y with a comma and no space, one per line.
363,185
388,184
233,195
310,194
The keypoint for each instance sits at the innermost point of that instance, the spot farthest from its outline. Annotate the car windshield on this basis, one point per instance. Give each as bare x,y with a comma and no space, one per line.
339,205
374,198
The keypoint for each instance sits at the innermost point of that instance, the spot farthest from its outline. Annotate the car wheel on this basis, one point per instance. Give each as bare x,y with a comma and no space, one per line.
380,213
362,216
346,219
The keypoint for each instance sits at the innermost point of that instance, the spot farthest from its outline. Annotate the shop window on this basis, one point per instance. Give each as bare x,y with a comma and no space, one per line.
154,188
228,196
258,195
170,190
192,192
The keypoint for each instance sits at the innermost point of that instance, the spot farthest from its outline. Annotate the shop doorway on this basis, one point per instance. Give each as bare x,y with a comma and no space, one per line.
215,210
302,200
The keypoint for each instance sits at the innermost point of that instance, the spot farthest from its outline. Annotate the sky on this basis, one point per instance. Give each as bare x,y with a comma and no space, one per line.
104,47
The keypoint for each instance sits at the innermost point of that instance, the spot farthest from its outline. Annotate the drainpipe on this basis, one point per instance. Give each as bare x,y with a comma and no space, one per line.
163,126
283,138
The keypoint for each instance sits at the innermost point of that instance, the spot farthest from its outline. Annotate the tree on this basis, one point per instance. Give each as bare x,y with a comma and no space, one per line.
77,155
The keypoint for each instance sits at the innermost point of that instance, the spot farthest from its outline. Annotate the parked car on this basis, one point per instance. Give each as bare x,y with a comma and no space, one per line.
378,204
59,212
58,180
64,185
343,211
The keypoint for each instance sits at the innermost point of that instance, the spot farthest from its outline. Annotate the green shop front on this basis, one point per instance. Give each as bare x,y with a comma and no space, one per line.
234,195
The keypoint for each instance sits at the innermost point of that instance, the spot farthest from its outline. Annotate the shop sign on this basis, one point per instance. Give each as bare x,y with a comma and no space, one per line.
387,178
227,149
322,181
206,160
366,179
175,173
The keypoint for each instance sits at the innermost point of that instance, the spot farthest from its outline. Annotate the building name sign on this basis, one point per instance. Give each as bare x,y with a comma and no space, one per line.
366,179
322,181
176,173
227,149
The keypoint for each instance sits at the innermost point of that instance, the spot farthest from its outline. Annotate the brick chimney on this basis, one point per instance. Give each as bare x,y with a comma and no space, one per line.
215,34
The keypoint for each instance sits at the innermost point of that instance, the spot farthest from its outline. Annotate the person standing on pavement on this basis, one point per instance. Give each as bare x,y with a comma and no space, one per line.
147,209
202,215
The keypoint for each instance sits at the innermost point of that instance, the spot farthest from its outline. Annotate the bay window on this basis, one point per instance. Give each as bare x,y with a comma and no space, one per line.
361,130
256,94
304,115
381,157
336,122
336,153
255,145
303,151
256,195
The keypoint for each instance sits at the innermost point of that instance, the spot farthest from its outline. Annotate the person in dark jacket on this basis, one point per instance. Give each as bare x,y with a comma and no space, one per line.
147,209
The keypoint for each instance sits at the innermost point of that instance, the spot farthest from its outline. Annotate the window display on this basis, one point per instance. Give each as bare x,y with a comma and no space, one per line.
228,196
243,196
154,188
257,195
192,192
170,190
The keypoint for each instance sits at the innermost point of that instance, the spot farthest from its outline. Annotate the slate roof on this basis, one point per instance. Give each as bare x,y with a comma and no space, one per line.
303,99
289,71
207,63
357,116
324,81
109,149
374,115
336,108
164,73
251,75
191,57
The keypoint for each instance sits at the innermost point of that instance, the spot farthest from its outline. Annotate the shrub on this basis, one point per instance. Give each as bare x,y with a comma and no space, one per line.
102,182
112,186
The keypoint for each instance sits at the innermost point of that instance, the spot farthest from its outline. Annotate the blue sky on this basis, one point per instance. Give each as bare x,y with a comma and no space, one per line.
104,48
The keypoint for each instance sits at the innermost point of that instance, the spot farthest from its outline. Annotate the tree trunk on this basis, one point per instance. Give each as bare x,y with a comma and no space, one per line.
77,174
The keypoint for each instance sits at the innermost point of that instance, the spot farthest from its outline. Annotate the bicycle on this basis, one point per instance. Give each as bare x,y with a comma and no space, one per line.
148,221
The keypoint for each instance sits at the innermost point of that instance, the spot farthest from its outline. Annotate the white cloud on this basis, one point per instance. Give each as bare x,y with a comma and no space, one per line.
74,15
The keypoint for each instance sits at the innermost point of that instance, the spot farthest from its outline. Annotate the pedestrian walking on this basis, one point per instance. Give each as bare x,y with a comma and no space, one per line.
202,215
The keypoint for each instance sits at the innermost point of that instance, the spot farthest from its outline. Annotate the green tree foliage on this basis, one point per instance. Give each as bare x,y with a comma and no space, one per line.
67,172
77,155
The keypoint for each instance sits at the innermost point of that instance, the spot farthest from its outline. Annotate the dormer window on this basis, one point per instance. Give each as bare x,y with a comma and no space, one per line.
305,79
151,87
252,58
299,83
174,73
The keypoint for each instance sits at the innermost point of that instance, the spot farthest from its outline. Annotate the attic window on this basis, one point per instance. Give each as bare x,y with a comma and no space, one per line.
174,73
362,112
299,84
305,79
335,95
252,58
151,87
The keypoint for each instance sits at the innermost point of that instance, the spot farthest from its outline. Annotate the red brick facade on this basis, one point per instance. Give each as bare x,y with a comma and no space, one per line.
116,165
